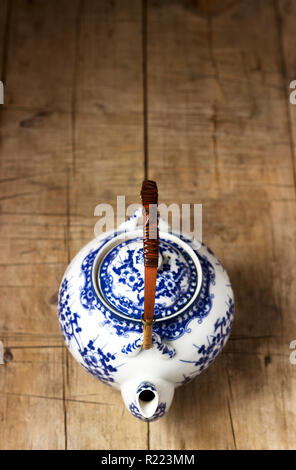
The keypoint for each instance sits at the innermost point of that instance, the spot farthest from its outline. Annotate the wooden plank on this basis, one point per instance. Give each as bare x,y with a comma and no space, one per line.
285,14
31,397
198,408
35,154
97,417
41,55
107,161
262,393
4,19
33,240
28,413
219,135
208,7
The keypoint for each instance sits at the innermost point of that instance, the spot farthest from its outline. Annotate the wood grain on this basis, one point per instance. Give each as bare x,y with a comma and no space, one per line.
107,160
219,135
35,155
191,94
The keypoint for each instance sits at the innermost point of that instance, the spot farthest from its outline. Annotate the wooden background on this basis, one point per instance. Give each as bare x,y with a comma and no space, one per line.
194,94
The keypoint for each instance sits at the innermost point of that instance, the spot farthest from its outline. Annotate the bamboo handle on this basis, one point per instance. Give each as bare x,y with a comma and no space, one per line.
147,339
149,195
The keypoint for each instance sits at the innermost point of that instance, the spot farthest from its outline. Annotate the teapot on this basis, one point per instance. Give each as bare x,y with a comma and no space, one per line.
143,314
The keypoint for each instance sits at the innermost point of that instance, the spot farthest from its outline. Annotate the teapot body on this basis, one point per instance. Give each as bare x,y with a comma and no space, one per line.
107,341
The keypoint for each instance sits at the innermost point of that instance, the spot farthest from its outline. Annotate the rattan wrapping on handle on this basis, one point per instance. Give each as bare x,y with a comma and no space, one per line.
149,195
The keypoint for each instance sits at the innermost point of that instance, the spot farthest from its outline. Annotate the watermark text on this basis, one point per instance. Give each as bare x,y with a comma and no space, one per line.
184,219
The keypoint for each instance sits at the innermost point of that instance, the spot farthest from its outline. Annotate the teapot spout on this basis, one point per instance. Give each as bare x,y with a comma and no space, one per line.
148,400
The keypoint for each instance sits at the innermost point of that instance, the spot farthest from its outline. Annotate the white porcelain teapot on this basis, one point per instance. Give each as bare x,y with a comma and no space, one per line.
101,303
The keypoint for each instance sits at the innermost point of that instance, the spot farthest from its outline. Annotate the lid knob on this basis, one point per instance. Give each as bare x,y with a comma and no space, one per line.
149,195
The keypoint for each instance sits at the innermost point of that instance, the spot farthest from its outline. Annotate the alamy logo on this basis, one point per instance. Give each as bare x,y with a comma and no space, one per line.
183,218
1,93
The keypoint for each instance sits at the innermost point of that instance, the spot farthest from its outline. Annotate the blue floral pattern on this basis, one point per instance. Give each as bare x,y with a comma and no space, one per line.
177,281
145,386
171,328
207,353
131,349
160,411
94,359
121,279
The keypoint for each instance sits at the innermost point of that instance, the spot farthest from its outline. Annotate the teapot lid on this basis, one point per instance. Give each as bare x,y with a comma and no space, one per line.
118,276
